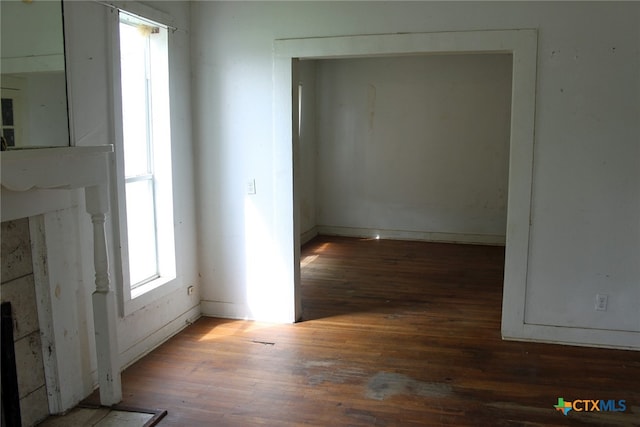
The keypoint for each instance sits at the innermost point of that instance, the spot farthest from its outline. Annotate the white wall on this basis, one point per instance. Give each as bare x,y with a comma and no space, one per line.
585,235
70,253
415,144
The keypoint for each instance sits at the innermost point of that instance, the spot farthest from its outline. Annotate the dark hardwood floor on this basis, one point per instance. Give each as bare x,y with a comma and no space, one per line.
394,334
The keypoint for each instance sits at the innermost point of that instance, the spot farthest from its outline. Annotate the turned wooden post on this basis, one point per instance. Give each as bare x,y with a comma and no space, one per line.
104,302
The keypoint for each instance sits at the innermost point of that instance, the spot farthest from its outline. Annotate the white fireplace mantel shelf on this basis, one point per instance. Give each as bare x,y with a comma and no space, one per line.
30,171
51,168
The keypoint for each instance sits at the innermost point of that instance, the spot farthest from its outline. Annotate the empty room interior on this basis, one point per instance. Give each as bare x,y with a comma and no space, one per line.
320,213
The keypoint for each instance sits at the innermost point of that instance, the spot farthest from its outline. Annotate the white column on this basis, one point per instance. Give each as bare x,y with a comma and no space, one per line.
104,302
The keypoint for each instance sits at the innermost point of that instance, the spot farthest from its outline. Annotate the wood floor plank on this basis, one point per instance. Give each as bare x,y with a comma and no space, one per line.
394,334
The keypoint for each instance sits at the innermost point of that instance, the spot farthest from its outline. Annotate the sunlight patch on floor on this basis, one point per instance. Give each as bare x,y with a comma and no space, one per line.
229,328
308,260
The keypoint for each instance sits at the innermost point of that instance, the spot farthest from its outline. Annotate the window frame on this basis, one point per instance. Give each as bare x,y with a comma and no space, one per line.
14,88
132,299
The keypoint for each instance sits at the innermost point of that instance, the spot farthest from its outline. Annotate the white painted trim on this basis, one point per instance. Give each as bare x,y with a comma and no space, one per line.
523,107
308,235
45,316
143,347
295,295
23,204
226,310
586,337
130,300
456,42
229,310
48,168
286,222
117,184
143,296
427,236
142,10
522,44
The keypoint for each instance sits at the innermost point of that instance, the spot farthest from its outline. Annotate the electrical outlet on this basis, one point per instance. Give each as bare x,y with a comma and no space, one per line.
190,290
601,302
251,186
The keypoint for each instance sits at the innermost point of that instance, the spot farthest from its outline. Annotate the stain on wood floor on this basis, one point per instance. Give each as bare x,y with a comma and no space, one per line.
395,334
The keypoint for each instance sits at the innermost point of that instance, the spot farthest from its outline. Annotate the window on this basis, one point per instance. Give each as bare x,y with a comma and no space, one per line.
8,122
144,157
13,133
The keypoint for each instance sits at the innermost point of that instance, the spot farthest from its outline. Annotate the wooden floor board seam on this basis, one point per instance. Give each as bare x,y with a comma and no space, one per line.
394,334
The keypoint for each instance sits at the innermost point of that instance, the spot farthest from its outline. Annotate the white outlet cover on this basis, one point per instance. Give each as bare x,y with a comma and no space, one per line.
251,186
601,302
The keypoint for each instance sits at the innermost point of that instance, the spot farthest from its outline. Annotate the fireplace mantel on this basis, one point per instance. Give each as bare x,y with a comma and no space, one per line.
27,175
55,168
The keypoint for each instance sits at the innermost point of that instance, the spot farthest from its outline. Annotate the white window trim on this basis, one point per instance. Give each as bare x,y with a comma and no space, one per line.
131,300
143,11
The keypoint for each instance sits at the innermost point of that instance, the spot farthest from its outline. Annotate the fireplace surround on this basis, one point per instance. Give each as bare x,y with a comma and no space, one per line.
36,184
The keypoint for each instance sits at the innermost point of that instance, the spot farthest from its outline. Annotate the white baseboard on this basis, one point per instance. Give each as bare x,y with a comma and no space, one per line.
428,236
308,235
225,310
583,337
228,310
145,346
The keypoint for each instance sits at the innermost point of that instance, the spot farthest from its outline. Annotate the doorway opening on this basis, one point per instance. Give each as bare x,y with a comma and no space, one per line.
406,148
522,44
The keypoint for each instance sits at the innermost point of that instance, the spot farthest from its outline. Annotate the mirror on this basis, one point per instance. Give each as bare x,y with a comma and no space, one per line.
32,79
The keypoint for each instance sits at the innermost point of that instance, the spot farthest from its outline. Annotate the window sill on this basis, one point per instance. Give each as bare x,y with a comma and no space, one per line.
149,293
